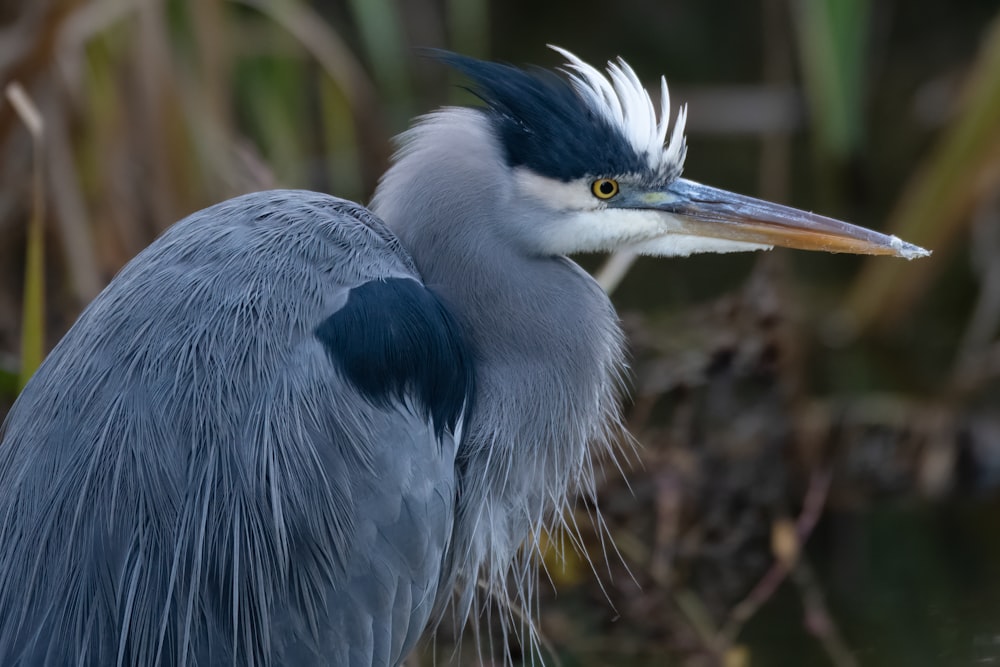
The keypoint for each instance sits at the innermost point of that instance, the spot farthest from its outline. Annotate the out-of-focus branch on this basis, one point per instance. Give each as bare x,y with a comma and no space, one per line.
934,207
812,509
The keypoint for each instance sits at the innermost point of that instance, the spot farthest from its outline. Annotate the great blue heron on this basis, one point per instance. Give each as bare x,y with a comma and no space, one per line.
289,433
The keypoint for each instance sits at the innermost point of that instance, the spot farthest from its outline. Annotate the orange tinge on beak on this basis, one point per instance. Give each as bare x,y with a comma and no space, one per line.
706,211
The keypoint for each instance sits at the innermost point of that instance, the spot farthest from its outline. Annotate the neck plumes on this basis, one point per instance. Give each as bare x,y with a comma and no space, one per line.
546,339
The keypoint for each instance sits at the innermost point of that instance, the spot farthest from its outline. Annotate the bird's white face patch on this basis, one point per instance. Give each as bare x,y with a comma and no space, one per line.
600,230
559,195
683,245
644,231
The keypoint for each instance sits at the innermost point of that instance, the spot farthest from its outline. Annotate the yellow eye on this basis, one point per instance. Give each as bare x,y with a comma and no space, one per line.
604,188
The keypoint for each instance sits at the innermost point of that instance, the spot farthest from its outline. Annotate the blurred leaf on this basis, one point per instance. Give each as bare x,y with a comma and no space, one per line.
278,118
33,308
341,142
383,37
563,563
10,382
785,544
737,656
323,43
935,205
33,313
832,38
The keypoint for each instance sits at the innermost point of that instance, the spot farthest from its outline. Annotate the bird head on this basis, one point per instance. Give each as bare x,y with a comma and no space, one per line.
590,148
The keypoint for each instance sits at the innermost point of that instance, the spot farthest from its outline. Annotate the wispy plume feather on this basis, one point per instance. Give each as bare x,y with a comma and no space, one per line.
623,101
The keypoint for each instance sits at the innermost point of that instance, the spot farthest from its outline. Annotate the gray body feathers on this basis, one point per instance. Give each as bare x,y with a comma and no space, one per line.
196,477
181,482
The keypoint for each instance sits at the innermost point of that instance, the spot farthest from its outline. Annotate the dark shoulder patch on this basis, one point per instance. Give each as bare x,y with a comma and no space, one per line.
394,337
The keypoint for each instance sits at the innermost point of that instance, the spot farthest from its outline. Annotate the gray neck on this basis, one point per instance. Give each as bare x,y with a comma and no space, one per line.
545,335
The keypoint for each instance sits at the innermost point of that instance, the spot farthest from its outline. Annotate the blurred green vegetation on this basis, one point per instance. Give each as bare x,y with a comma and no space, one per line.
757,378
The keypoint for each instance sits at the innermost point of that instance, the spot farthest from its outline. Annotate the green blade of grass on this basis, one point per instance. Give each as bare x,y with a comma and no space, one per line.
380,26
33,308
832,36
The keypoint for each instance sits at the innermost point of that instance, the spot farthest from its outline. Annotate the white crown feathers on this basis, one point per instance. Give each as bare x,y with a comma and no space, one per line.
621,98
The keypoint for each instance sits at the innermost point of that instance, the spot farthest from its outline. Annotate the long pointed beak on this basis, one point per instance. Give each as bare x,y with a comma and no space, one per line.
701,210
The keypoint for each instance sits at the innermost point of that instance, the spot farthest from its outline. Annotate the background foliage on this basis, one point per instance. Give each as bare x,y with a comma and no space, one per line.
777,397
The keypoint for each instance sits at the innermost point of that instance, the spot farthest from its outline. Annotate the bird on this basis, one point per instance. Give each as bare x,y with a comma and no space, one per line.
297,431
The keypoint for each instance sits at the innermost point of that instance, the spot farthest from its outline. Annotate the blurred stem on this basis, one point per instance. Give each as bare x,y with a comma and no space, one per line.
212,39
383,38
832,35
812,509
33,310
69,209
50,19
325,45
207,100
278,117
158,117
611,274
775,147
969,371
832,39
818,618
341,141
700,619
935,205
